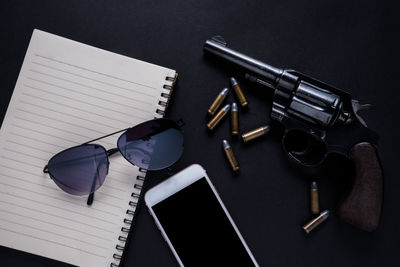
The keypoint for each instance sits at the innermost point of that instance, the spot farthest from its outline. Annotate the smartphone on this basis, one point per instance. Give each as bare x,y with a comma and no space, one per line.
195,223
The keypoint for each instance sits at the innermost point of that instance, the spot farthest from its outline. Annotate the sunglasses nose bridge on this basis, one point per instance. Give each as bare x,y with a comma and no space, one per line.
112,151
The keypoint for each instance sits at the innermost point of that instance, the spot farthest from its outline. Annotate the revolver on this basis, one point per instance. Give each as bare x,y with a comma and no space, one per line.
319,119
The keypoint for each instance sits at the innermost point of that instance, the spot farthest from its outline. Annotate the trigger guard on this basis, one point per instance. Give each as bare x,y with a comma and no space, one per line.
304,148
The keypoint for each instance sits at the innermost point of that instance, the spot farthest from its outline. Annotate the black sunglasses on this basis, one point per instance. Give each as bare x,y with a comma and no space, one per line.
151,145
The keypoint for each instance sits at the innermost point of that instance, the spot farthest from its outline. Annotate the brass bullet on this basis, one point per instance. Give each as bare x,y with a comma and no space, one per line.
218,101
234,119
229,154
314,198
239,92
315,222
255,133
218,117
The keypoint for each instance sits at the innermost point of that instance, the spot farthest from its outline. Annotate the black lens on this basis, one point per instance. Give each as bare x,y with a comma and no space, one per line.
79,170
152,145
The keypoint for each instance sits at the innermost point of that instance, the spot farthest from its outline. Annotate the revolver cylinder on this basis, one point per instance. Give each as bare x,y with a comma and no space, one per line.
296,95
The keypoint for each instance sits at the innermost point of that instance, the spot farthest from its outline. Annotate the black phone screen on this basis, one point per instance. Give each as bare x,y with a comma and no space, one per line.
199,230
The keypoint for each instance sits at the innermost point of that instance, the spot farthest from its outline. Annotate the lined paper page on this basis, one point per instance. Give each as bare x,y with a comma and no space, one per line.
68,93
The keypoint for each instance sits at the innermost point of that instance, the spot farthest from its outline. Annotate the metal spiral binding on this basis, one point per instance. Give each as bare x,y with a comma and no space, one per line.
117,257
164,95
130,212
127,221
135,195
140,178
124,230
123,239
120,248
164,103
161,112
138,186
133,203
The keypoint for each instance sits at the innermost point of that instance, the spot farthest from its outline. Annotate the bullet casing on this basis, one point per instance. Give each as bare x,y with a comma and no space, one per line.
239,93
255,133
314,198
316,221
218,101
218,117
229,154
234,120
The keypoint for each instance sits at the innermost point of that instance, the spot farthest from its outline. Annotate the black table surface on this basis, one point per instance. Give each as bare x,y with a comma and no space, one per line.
348,44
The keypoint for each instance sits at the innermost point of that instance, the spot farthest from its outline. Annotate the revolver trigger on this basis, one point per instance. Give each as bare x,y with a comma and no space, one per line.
365,106
358,107
219,39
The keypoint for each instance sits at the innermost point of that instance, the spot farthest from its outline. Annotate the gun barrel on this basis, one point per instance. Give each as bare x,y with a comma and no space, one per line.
261,70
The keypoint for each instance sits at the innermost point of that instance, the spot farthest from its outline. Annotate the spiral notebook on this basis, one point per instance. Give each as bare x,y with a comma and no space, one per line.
68,93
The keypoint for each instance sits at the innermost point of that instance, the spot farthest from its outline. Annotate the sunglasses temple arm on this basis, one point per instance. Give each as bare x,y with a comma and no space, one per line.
90,199
91,195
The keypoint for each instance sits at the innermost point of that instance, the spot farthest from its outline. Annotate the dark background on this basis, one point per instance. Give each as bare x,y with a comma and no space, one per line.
348,44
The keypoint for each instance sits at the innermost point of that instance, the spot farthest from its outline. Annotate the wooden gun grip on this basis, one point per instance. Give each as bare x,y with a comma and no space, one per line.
362,206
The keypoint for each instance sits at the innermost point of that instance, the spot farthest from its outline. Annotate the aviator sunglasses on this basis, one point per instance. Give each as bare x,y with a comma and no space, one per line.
151,145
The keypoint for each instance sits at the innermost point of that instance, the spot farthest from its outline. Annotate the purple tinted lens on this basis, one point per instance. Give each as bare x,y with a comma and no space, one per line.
79,170
152,145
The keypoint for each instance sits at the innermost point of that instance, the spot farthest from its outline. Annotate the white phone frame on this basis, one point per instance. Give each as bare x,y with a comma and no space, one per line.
176,183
